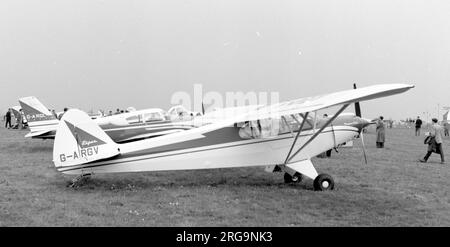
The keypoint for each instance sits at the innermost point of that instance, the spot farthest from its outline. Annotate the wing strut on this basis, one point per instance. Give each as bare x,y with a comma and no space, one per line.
287,124
298,134
317,133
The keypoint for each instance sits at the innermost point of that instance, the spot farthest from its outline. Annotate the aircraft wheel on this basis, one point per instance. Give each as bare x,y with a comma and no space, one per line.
323,182
297,178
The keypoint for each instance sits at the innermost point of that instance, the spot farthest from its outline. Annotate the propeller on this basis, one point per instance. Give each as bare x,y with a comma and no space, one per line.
363,147
357,106
203,109
358,114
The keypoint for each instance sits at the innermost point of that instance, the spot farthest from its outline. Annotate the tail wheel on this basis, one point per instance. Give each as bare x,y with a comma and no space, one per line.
296,178
323,182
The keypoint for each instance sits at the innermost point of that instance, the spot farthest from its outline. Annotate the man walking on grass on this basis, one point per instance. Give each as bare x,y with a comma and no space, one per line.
435,143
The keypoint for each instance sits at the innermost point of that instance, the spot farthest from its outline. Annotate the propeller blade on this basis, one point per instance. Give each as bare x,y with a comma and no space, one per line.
357,109
203,109
357,106
363,147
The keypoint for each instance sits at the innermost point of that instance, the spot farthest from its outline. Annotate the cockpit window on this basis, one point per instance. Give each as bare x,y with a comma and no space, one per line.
152,117
265,128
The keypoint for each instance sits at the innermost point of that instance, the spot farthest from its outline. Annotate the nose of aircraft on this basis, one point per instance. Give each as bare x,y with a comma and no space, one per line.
361,123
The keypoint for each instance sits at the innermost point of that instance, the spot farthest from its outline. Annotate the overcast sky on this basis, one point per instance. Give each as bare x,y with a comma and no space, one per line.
118,53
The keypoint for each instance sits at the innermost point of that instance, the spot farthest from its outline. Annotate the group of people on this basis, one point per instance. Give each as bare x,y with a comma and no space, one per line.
434,138
21,121
118,111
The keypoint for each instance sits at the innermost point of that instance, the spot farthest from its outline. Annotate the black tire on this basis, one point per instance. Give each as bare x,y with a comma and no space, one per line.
297,178
323,182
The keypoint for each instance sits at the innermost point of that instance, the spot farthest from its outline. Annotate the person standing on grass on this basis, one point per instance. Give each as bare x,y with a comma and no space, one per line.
24,119
62,114
54,113
20,120
446,126
434,141
8,119
380,133
418,126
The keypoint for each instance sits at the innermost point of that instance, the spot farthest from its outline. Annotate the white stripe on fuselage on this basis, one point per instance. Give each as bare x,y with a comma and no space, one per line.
151,127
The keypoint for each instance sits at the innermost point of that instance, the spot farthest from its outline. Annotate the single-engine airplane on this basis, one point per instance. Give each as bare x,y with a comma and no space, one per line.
124,127
281,136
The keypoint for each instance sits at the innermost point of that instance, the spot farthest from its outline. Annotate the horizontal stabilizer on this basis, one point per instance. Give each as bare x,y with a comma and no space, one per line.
38,133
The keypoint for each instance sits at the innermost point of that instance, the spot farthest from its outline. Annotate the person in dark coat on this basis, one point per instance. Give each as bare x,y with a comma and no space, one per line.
380,133
62,114
418,125
8,119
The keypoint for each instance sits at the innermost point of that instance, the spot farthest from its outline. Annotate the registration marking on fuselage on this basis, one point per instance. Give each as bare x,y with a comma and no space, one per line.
82,153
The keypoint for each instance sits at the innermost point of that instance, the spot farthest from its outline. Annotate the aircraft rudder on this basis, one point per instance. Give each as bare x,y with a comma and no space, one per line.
34,110
80,140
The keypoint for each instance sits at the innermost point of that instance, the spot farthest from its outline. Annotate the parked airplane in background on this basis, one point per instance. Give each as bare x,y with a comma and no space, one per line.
282,137
121,128
445,116
18,116
16,111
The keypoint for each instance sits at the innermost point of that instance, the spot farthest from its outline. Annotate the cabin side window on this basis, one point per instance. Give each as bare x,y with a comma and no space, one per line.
291,124
263,128
134,119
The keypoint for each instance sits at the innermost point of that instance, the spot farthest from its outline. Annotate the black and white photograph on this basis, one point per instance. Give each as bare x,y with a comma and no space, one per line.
224,113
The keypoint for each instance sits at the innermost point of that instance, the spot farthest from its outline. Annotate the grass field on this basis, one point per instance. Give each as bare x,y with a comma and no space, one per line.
392,190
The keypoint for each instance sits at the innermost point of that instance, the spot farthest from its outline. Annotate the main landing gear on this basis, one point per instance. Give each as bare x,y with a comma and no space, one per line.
322,182
305,167
296,178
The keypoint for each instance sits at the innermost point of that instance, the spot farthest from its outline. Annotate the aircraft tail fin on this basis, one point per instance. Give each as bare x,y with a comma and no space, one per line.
39,118
80,140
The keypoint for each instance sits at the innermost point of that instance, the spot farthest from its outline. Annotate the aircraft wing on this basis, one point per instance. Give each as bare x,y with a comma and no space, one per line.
315,103
281,109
